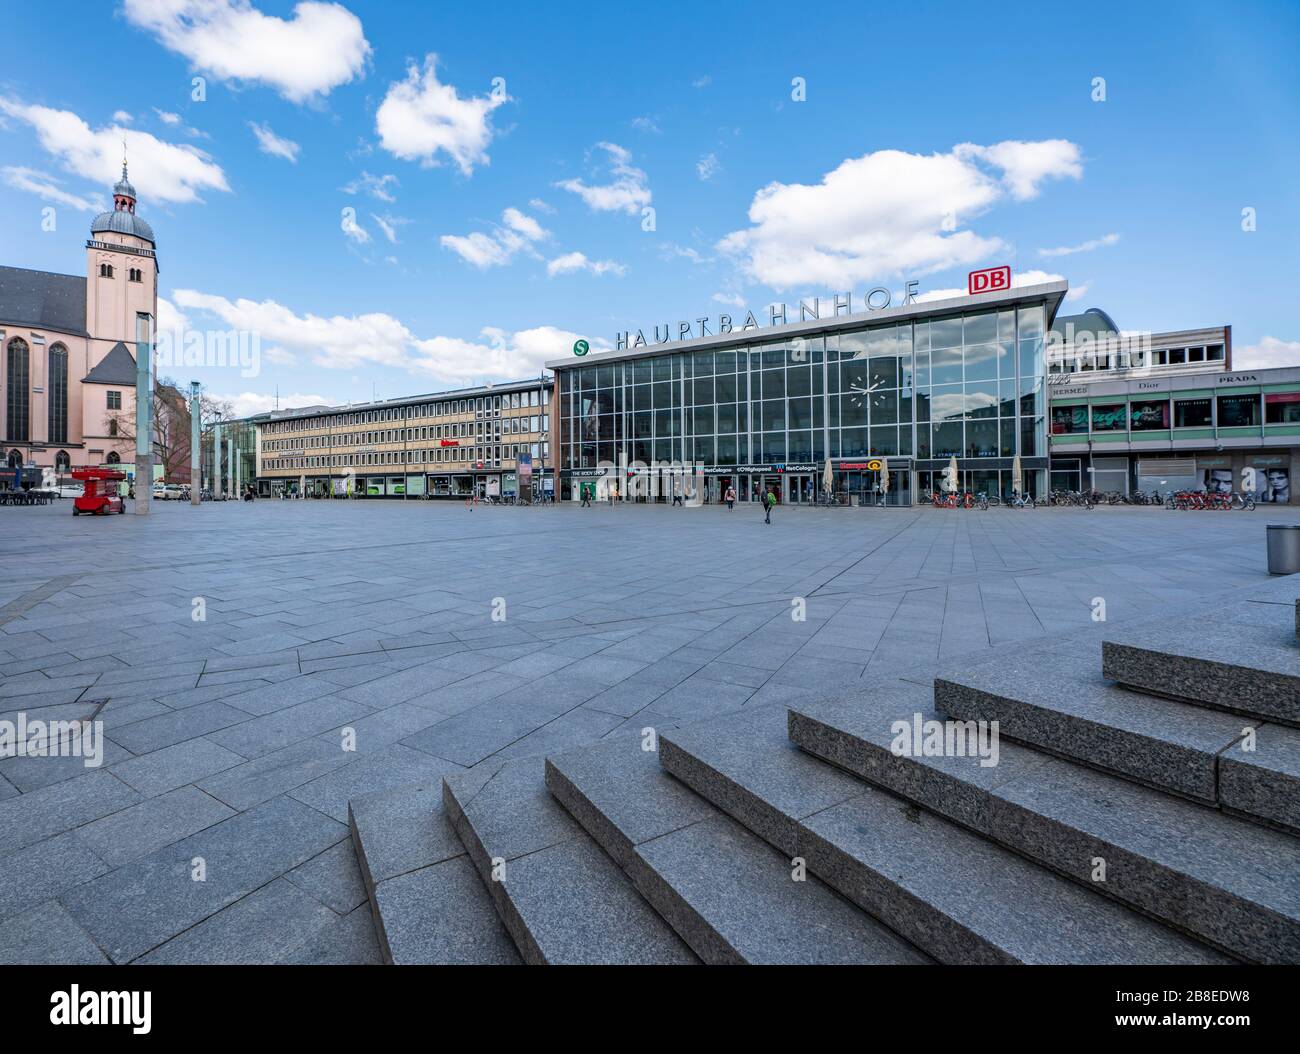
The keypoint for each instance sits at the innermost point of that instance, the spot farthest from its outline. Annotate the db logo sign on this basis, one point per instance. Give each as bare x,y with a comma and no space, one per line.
990,280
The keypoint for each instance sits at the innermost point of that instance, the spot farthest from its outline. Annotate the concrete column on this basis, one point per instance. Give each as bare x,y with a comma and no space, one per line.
143,414
230,455
196,432
217,490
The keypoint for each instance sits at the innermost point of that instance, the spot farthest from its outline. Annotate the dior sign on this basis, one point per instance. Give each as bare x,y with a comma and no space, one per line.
777,315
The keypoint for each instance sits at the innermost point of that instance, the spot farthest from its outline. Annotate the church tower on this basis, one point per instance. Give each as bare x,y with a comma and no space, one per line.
121,286
121,273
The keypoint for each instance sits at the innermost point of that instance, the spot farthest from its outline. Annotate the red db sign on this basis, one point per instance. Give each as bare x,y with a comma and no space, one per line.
990,280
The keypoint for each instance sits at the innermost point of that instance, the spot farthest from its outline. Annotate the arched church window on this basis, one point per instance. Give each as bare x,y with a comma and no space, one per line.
57,388
19,390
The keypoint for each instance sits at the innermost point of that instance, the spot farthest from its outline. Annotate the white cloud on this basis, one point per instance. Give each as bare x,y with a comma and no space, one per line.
162,171
306,56
1078,292
525,225
270,143
541,206
1269,353
708,166
375,186
246,404
672,251
887,213
122,117
170,318
1083,247
354,341
626,192
730,299
576,261
49,188
702,82
1025,165
389,224
645,124
483,250
167,117
420,118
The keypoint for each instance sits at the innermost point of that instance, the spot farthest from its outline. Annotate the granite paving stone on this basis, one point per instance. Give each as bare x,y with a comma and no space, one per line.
238,855
152,824
46,935
333,878
38,814
174,766
268,925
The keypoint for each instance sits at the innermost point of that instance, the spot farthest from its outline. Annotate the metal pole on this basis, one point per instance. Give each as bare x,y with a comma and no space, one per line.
230,457
143,416
217,489
196,430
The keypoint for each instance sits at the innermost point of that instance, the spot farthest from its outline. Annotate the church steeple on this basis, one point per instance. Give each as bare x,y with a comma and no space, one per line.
123,192
123,219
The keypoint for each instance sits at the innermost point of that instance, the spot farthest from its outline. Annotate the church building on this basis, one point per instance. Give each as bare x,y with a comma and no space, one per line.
67,349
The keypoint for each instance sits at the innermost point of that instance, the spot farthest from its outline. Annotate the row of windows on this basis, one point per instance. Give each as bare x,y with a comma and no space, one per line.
482,407
133,274
1225,411
1076,359
439,456
964,439
62,462
484,431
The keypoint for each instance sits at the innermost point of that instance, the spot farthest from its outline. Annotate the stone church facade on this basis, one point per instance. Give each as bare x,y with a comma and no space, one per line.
67,349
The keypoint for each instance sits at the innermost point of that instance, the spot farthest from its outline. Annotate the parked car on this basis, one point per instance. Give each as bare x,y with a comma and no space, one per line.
167,492
70,490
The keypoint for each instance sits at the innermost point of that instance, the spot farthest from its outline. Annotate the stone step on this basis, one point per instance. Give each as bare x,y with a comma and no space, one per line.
1264,780
729,895
562,900
958,896
1229,882
1245,661
429,906
1055,699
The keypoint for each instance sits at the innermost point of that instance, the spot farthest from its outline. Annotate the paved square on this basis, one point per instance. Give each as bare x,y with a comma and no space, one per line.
265,664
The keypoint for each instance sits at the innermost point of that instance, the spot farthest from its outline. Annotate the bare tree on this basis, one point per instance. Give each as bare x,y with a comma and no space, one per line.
170,421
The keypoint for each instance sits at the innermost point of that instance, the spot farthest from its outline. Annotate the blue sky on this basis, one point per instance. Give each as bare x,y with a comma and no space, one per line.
498,191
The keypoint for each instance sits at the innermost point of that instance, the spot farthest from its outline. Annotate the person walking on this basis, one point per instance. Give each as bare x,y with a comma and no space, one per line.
769,500
731,497
586,495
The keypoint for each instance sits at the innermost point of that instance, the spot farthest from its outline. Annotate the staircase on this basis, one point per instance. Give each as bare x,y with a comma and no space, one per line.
1142,805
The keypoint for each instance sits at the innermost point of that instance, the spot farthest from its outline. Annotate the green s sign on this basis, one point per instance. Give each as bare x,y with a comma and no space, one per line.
581,347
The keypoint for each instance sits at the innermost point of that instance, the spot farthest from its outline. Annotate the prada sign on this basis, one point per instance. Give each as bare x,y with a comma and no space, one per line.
777,315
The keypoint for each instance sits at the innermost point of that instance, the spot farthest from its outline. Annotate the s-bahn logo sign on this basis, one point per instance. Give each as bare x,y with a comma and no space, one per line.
581,347
989,280
777,315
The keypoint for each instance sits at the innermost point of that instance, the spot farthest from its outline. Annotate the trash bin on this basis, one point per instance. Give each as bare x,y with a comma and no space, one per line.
1283,549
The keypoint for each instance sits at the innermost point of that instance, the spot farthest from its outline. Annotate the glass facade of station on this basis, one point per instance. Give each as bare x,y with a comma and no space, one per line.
910,394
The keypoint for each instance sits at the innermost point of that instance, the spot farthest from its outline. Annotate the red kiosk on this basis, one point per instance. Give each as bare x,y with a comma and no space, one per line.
101,494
